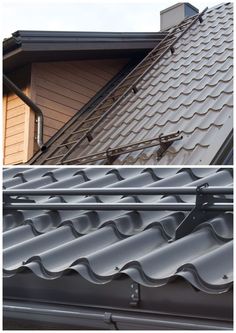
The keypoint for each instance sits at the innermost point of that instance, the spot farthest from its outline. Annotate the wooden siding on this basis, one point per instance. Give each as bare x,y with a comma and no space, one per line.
16,131
16,120
60,89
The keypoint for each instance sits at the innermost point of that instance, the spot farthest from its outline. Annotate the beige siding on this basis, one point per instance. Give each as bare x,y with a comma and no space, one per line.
60,89
16,120
15,114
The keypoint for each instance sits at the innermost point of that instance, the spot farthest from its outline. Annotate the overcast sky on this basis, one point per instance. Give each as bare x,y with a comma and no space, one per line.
86,15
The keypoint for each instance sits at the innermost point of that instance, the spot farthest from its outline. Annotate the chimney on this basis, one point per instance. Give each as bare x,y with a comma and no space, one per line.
176,13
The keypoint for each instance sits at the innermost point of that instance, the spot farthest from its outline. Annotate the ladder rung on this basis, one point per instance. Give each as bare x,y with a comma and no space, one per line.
54,157
67,144
91,119
183,25
102,107
164,47
132,76
81,130
115,97
135,76
147,65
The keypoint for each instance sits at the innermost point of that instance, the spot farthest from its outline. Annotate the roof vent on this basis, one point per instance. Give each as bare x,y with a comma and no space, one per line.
176,13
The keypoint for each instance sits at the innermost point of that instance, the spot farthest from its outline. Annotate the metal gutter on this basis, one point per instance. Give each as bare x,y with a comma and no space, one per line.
120,191
63,38
99,318
39,114
118,206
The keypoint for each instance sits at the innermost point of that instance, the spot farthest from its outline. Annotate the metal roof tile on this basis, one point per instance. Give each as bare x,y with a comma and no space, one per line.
187,90
103,245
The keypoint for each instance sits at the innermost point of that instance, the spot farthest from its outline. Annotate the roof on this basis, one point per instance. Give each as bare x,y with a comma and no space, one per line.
103,245
190,91
36,46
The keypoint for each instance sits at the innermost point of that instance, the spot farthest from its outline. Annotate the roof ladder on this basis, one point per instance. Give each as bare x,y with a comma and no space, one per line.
82,132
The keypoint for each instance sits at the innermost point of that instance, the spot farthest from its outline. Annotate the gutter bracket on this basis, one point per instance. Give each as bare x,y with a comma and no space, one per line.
198,214
134,294
108,320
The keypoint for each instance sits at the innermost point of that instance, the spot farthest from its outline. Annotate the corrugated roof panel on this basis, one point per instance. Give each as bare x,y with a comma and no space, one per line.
103,245
191,91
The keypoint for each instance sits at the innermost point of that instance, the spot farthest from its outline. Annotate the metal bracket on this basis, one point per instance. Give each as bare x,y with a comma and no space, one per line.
108,320
164,145
134,294
110,156
198,214
8,200
134,89
89,137
200,19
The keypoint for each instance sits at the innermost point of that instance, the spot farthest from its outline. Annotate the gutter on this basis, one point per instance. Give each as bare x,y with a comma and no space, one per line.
104,319
39,114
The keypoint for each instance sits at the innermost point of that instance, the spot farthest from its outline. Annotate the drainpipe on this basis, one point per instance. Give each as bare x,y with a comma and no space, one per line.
39,115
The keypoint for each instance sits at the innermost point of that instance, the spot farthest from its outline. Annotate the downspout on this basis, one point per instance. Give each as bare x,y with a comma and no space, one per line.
39,114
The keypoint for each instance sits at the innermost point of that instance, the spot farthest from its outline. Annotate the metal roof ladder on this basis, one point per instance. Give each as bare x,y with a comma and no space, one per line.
82,133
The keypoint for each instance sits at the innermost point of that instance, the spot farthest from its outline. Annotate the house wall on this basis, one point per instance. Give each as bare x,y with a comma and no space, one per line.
17,142
60,89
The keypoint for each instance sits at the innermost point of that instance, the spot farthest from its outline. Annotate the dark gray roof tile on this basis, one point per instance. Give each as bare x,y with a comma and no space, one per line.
190,91
103,245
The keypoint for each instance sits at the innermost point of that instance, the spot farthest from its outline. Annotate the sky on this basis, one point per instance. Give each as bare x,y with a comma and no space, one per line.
85,15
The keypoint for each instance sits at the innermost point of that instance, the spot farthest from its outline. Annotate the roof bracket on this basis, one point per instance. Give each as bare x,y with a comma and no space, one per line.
8,200
89,136
198,214
110,157
134,294
200,19
164,145
134,89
